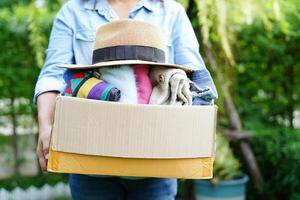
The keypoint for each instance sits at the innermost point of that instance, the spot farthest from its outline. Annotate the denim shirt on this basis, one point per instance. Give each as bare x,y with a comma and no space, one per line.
73,34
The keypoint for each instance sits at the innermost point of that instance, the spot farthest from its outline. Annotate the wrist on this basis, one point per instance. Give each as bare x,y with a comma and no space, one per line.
45,131
44,121
46,107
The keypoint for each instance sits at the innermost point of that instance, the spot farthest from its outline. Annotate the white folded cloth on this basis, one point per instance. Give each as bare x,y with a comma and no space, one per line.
124,79
170,87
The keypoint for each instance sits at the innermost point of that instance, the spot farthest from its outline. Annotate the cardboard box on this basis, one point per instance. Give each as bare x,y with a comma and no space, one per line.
109,138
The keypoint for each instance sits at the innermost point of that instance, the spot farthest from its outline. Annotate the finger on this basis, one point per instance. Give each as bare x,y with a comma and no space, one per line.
41,157
43,162
46,148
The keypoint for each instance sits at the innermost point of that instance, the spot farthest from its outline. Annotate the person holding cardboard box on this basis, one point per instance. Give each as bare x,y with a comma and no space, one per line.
71,41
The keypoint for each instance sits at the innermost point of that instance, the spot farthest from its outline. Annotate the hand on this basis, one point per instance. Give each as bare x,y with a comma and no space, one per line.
46,107
42,149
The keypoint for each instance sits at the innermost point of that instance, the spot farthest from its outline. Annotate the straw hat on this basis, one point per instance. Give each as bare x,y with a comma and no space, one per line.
126,42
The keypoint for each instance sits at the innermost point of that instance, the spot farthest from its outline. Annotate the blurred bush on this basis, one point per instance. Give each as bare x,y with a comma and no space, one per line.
268,73
267,92
36,181
255,45
11,3
278,154
24,35
24,32
226,166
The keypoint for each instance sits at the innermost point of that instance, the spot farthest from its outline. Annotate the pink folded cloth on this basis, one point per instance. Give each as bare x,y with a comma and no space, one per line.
143,82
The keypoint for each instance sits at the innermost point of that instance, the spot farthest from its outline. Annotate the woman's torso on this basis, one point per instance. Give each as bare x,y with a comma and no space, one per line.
86,17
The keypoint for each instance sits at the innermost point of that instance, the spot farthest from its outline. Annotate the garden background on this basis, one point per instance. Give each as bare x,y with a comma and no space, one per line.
252,49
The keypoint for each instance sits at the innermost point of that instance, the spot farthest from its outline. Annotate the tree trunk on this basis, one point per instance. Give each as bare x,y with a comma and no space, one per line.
14,136
234,118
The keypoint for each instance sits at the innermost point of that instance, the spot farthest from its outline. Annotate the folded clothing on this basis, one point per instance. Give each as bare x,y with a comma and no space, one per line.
202,87
124,79
201,96
171,87
84,84
143,82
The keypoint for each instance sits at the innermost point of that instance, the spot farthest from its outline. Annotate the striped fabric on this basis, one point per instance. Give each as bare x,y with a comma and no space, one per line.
82,83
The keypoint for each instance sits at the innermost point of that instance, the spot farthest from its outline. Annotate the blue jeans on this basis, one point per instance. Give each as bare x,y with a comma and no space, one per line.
114,188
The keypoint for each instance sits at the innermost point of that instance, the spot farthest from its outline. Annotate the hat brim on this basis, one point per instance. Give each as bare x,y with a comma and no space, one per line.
122,62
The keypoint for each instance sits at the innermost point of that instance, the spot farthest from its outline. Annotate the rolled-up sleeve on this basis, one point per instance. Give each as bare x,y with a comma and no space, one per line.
60,51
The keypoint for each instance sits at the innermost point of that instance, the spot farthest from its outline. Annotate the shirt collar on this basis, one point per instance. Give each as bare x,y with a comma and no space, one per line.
95,4
148,4
102,5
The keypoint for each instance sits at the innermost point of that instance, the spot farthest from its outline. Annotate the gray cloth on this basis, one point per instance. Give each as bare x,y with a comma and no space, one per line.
170,87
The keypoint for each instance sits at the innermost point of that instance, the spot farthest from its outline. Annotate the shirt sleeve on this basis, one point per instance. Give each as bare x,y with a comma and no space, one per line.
186,46
186,50
60,51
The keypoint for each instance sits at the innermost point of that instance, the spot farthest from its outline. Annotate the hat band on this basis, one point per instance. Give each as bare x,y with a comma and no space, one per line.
128,52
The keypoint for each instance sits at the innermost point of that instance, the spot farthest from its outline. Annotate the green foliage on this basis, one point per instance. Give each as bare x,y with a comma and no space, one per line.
255,45
262,74
37,181
278,154
39,28
184,3
4,140
269,73
11,3
226,166
24,33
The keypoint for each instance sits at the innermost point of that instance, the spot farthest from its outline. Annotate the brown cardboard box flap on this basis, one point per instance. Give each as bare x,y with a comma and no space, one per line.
187,168
113,129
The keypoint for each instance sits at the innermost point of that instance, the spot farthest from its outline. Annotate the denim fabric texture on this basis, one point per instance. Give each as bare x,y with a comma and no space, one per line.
113,188
202,88
201,96
73,34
